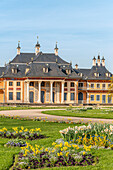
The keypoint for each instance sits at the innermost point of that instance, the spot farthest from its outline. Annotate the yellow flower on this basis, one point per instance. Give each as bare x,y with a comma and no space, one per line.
46,150
67,154
53,143
26,130
66,144
61,153
22,127
60,144
58,154
74,146
83,153
65,148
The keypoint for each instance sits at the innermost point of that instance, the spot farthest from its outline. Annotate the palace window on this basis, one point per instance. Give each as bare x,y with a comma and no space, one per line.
31,84
72,96
109,85
54,84
80,84
65,96
92,97
97,97
18,83
103,98
43,84
98,85
109,99
47,84
45,70
92,85
10,95
103,86
68,71
72,84
108,75
65,84
10,83
96,74
14,70
18,96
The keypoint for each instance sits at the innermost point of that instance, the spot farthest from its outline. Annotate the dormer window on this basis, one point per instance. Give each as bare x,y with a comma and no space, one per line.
108,75
68,71
45,70
14,70
96,74
80,74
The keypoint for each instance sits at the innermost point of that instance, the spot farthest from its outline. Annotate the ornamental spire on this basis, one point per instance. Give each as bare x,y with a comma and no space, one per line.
56,49
37,47
18,48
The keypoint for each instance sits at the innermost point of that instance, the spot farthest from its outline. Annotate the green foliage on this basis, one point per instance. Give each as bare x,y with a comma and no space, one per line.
106,113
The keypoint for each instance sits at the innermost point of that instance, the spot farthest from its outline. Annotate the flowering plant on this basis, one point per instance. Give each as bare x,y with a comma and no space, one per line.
63,154
21,133
93,134
15,143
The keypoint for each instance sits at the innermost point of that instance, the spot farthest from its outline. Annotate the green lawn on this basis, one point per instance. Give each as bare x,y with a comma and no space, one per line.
51,130
94,113
27,107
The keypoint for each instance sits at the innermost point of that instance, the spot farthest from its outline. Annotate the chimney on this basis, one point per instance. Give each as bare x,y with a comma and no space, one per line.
56,49
37,47
98,60
76,66
18,48
94,61
103,61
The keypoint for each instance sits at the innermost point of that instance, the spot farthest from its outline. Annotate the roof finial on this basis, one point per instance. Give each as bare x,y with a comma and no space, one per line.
37,45
37,39
18,44
56,45
99,55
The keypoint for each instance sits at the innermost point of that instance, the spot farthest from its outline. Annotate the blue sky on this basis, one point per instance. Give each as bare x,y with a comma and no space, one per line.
83,28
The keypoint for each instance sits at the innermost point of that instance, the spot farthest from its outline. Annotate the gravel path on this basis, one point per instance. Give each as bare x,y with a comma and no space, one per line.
36,113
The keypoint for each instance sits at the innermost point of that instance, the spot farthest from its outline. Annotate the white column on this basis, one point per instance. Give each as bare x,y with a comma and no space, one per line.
51,91
27,91
62,99
21,91
87,98
75,91
39,91
7,91
14,91
4,91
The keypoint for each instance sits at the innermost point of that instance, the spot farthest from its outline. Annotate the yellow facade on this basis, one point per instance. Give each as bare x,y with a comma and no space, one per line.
71,89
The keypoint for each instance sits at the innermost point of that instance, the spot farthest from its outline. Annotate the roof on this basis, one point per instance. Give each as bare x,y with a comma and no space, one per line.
37,70
2,69
57,67
49,57
23,58
89,73
41,57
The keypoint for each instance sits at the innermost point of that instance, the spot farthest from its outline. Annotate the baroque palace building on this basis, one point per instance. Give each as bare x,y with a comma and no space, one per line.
46,78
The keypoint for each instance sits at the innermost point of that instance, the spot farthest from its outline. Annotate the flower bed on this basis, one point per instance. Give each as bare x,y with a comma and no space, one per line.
93,134
59,155
21,133
15,143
